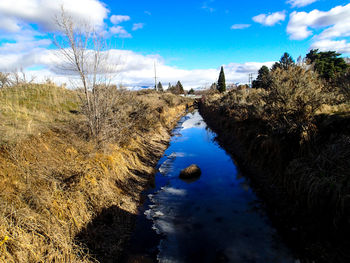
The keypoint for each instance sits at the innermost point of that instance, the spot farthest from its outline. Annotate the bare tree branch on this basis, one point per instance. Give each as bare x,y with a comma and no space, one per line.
85,54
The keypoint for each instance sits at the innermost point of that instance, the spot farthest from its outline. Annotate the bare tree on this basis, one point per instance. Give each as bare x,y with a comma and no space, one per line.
84,51
19,77
4,80
14,78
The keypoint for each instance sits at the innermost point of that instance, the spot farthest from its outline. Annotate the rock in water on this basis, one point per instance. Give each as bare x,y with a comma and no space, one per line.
191,171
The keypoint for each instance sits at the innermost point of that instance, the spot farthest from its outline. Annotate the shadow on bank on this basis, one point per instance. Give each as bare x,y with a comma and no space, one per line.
305,187
107,235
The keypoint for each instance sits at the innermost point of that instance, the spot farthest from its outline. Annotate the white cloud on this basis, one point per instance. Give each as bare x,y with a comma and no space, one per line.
132,69
337,19
340,46
300,3
270,19
24,45
298,24
240,26
9,24
332,24
338,30
137,26
117,19
120,32
14,17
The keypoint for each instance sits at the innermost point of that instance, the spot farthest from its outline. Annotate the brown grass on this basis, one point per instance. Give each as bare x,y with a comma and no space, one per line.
27,109
295,136
54,182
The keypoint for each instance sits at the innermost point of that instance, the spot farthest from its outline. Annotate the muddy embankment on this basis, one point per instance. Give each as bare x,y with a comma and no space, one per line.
65,200
304,187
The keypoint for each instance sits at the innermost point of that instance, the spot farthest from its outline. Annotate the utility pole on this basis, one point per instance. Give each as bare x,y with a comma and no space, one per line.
250,80
155,76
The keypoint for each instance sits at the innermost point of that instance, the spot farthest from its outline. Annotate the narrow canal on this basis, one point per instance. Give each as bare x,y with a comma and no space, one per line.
216,218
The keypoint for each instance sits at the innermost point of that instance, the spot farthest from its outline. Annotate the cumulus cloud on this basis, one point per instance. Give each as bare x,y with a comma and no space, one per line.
340,46
24,45
117,19
331,24
270,19
132,69
42,12
8,24
240,26
120,32
300,3
137,26
337,19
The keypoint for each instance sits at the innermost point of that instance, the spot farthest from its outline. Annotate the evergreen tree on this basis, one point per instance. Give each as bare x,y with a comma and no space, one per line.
327,64
179,88
191,91
263,81
221,81
160,87
286,61
214,86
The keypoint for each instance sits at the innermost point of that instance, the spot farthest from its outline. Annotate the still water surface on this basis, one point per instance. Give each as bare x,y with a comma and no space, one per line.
216,218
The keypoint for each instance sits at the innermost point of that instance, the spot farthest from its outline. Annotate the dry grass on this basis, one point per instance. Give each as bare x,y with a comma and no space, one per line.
26,109
296,134
55,184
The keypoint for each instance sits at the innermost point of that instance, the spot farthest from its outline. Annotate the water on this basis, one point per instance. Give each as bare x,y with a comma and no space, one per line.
216,218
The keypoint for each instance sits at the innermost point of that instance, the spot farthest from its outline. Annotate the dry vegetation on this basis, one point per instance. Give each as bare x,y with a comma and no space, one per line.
295,137
29,109
65,196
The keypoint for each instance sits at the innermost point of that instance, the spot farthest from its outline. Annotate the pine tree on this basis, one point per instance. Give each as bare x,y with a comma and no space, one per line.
221,81
191,91
327,64
179,88
263,81
160,87
286,61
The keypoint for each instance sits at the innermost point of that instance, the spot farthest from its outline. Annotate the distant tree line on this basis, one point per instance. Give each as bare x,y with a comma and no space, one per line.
329,66
177,89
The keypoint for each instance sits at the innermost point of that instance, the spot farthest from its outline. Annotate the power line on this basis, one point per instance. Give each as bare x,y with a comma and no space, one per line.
155,76
250,76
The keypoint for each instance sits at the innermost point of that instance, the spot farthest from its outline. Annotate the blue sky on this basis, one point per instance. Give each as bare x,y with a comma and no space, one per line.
187,40
198,34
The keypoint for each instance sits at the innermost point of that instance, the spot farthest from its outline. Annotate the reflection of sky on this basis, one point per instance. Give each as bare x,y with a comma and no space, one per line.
215,216
195,121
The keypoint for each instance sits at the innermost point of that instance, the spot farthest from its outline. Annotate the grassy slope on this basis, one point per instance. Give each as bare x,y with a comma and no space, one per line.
31,108
62,199
306,185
